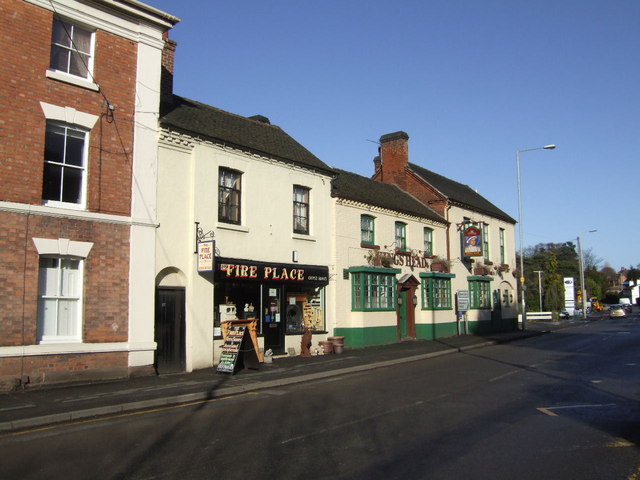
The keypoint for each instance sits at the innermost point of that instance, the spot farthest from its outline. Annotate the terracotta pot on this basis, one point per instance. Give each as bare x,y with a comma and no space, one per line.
327,347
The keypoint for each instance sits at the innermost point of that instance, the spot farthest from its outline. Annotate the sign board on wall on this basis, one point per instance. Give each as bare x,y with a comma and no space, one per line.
463,300
472,242
206,254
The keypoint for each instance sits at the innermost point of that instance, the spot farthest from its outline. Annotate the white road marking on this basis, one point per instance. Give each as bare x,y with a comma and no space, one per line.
548,410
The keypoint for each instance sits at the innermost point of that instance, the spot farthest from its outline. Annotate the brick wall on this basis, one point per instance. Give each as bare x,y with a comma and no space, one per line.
27,28
106,273
36,371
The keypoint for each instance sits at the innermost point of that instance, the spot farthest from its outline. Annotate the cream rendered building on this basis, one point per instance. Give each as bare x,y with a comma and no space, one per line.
265,202
485,270
385,242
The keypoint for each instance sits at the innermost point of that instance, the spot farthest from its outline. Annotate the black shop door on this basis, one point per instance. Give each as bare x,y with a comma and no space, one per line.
273,321
170,330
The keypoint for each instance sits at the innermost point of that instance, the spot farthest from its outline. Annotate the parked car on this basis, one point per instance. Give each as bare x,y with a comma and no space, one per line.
564,315
617,311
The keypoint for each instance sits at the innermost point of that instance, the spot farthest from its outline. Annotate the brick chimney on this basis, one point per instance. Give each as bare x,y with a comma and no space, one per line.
394,158
168,61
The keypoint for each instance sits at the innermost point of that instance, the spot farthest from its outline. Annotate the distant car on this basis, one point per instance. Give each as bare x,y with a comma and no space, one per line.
564,315
626,304
617,311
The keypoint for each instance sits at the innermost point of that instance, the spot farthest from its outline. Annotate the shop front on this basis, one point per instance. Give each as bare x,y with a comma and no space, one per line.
286,299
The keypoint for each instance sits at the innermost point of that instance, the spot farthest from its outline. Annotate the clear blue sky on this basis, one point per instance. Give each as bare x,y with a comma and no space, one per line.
470,81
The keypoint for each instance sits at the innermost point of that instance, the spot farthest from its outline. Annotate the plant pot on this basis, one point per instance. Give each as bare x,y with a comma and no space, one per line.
327,347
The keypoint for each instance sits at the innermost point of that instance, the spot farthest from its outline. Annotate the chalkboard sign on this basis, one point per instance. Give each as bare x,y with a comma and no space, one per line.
237,351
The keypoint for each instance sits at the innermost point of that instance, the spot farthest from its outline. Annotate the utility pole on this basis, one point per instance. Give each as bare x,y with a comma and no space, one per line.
539,272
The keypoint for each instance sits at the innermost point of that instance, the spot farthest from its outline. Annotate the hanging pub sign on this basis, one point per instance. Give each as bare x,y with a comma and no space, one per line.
472,242
206,250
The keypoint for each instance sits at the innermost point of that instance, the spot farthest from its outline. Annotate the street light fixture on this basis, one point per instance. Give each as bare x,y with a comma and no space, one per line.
522,287
583,293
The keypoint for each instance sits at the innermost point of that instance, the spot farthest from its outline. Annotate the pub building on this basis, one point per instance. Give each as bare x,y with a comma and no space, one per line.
284,299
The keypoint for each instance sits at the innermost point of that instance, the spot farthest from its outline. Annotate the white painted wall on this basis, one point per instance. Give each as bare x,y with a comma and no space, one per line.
188,193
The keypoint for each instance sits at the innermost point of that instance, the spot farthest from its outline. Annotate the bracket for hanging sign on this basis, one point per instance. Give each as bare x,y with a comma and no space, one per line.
201,236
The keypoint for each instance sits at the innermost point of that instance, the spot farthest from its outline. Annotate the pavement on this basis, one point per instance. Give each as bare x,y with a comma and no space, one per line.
43,406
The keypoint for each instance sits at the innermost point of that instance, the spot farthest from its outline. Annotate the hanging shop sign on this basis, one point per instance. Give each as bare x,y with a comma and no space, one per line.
206,254
472,242
253,271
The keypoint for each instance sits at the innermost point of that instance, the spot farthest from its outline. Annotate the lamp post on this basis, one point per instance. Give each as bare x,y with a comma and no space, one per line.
539,272
584,294
522,287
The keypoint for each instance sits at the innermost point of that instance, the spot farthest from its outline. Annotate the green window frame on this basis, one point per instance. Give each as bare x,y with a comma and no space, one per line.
373,289
485,241
502,256
479,293
428,240
401,236
367,230
436,291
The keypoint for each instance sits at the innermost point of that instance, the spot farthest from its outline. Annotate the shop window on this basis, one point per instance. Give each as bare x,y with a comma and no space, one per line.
367,230
300,210
373,290
229,195
72,49
65,159
428,241
60,300
479,293
304,309
436,291
401,236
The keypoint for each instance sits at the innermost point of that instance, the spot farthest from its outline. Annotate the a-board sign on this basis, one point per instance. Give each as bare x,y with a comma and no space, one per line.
463,300
237,351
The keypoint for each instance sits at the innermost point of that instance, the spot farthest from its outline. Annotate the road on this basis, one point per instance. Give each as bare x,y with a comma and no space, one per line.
559,406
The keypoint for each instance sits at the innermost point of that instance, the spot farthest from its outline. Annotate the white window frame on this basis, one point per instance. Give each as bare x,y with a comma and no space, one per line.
72,118
53,325
69,28
63,250
70,131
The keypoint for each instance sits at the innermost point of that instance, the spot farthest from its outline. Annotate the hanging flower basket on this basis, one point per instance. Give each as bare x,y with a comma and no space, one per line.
439,264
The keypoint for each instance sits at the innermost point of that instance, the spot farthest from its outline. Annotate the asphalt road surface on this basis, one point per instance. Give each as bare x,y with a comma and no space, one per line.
560,406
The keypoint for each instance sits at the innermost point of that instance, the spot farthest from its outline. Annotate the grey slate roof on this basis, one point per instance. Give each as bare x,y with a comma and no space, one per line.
250,134
459,193
355,187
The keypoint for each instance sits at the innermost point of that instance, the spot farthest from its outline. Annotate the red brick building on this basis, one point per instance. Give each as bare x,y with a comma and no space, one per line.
79,92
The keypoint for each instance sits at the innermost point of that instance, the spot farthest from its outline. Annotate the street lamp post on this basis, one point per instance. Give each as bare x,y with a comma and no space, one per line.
522,287
583,292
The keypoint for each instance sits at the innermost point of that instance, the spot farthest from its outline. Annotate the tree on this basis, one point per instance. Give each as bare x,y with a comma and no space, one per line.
553,286
590,259
633,274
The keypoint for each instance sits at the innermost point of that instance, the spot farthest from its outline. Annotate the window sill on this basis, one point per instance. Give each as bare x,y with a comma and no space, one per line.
63,205
307,238
232,227
72,80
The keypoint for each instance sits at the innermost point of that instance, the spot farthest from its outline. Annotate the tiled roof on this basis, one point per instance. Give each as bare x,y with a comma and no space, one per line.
355,187
254,134
461,194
